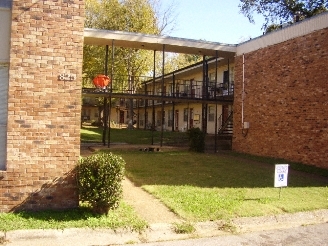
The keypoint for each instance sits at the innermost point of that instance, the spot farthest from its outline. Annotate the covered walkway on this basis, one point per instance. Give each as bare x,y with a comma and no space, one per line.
212,53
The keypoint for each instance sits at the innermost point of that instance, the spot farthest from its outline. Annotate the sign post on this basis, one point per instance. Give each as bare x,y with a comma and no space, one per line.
280,176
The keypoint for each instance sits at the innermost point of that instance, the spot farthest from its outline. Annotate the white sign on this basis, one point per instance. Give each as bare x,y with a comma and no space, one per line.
66,77
280,175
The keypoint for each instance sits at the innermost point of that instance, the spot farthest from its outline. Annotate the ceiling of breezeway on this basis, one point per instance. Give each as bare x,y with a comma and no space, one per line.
153,42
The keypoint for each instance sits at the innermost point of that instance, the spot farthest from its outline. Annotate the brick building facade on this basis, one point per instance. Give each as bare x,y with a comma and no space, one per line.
280,88
44,105
286,94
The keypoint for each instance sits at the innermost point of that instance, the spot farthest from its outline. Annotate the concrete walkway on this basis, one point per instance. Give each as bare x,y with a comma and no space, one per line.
146,206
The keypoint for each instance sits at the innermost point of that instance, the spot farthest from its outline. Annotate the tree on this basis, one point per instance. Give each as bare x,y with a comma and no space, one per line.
130,66
175,61
280,11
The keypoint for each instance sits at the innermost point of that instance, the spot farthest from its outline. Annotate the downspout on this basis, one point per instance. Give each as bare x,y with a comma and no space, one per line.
244,128
243,94
228,76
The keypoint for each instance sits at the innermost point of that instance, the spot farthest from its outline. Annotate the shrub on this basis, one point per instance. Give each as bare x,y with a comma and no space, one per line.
196,140
99,179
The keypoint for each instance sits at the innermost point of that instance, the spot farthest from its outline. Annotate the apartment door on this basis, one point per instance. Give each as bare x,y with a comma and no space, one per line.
176,119
121,117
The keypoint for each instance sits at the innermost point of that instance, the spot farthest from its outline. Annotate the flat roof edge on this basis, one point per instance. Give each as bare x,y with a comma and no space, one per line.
156,42
295,30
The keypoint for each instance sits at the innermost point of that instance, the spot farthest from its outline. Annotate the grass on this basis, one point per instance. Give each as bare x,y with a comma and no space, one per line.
183,228
201,187
196,186
94,134
122,217
293,165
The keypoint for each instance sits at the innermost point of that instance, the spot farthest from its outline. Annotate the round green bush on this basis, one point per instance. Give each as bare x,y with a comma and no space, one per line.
99,179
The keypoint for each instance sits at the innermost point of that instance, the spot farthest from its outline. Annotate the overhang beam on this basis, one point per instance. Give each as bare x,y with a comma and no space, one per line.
153,42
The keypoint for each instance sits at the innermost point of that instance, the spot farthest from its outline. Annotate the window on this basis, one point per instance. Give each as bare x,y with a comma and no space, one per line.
210,113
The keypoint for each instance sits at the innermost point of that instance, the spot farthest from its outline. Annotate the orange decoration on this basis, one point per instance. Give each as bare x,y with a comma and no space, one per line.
101,81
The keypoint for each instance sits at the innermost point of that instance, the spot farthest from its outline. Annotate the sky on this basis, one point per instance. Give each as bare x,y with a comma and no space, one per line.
213,20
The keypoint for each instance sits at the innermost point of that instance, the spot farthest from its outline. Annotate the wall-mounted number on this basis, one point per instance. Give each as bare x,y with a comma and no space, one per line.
66,77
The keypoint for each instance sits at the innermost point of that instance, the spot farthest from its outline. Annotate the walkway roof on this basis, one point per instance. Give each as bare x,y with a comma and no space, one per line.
153,42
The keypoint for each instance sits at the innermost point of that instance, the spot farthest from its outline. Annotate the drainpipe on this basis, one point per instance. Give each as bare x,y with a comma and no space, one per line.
245,125
243,95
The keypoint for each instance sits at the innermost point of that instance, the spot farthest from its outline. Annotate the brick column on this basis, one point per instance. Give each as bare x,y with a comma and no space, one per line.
44,105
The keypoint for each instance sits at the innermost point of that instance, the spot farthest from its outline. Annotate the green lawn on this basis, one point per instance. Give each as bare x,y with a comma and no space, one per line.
202,187
122,217
135,136
196,186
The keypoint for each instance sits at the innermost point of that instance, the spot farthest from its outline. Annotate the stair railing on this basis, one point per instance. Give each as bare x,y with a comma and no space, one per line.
225,123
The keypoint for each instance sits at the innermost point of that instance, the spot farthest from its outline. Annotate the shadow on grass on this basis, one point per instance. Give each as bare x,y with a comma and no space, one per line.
209,170
134,136
67,215
230,169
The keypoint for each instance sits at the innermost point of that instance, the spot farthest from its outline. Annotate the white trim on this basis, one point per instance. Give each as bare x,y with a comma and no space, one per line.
293,31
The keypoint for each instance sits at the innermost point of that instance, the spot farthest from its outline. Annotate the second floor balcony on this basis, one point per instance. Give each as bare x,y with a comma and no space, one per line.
165,90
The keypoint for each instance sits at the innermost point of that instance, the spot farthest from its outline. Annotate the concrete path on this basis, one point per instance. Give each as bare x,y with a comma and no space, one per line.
146,206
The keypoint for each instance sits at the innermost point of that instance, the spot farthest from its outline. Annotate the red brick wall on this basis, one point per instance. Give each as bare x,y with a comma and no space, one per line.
43,140
286,100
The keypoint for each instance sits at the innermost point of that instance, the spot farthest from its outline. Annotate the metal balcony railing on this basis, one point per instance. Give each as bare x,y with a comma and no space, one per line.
184,89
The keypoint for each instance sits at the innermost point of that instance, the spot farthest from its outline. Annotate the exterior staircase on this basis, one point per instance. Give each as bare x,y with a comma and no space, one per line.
226,129
224,136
